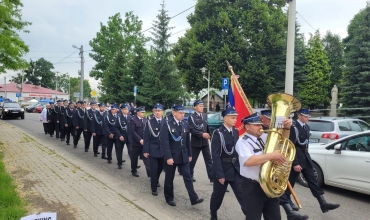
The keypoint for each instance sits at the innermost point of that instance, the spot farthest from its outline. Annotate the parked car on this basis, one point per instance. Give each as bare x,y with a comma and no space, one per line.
11,110
215,120
343,163
31,108
328,129
188,112
39,108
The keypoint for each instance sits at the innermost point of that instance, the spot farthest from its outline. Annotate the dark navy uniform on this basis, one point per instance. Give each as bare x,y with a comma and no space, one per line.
60,120
197,126
122,131
89,126
69,123
225,165
100,136
152,147
137,126
56,112
79,121
175,144
51,119
110,127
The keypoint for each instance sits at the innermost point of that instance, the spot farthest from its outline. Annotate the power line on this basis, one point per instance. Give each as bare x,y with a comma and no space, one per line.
180,31
172,17
306,21
66,57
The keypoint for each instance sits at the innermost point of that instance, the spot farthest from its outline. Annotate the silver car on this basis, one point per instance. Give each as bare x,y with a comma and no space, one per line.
328,129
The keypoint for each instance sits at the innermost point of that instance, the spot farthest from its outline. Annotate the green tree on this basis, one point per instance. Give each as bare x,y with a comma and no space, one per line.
161,81
335,51
63,82
314,91
76,87
119,51
12,47
356,79
251,35
300,75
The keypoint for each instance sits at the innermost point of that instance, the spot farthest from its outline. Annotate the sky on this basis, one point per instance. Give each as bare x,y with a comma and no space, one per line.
57,25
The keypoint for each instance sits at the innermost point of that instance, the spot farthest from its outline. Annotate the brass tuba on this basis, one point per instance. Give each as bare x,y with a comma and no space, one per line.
273,176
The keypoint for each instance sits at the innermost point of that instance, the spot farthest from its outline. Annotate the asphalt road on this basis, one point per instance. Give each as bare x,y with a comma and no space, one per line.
353,205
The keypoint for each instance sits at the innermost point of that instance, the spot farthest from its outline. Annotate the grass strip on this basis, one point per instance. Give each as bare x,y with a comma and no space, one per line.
11,205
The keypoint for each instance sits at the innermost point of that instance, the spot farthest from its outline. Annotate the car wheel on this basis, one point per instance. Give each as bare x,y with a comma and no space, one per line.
22,117
3,117
318,173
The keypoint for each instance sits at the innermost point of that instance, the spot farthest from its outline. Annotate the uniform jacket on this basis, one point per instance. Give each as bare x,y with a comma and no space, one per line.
98,126
180,150
89,120
137,130
123,128
197,126
69,117
302,155
79,118
220,168
152,138
50,115
109,124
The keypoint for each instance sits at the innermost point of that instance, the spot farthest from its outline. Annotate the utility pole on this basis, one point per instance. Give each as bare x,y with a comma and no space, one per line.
56,86
208,80
289,71
82,70
5,87
22,85
69,85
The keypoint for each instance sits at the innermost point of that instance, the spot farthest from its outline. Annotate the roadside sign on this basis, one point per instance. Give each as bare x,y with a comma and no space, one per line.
225,83
94,93
18,95
135,90
76,94
44,215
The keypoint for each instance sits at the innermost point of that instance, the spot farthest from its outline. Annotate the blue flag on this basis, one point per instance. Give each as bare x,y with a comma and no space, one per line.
231,96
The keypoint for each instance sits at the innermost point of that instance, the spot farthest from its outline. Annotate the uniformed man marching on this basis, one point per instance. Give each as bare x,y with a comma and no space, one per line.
57,115
99,134
251,156
200,136
226,168
123,134
51,119
111,130
152,148
89,127
69,122
60,120
299,135
175,145
79,121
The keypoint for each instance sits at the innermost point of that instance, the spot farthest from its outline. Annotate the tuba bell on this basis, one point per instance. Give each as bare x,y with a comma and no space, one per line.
273,177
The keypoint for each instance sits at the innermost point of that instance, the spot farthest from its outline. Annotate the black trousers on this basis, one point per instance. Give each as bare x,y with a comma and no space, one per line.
119,150
97,140
62,133
170,175
110,142
207,159
87,139
219,191
51,128
137,151
46,127
310,177
78,135
129,149
156,167
257,202
57,129
70,131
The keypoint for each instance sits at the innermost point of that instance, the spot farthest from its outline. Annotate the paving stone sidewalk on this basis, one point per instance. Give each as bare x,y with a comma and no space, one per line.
59,185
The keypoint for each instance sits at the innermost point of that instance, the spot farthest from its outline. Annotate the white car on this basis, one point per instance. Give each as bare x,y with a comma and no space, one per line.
344,163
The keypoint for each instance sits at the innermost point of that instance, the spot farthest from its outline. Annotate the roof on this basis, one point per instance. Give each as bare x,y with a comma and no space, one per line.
218,93
28,88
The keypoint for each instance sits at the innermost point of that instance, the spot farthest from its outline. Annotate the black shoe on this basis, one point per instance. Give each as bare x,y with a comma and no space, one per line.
193,179
211,180
68,144
158,185
155,193
51,135
294,207
98,153
120,167
180,174
135,174
138,167
95,155
57,137
62,140
123,161
325,206
75,146
197,201
171,203
86,150
109,161
46,132
103,157
292,215
214,216
227,190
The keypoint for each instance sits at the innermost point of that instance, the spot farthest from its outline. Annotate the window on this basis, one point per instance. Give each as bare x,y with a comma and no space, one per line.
322,126
358,143
12,105
344,126
355,126
364,126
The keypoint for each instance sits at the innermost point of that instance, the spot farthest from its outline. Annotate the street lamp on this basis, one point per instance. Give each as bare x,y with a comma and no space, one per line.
208,80
69,86
82,70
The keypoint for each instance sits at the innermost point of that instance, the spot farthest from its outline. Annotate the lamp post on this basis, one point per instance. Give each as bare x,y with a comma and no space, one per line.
208,80
69,86
56,86
82,70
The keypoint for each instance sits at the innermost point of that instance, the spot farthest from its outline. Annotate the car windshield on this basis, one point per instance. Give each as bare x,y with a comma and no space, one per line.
322,126
11,105
210,115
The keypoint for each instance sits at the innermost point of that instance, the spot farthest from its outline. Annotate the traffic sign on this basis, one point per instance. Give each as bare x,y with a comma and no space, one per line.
18,95
76,94
225,83
135,90
94,93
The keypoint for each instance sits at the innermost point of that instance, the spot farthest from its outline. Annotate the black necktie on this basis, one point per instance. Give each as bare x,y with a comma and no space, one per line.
304,127
261,143
159,121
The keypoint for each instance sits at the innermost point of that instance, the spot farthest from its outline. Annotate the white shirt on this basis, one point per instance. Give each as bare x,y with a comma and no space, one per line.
301,123
245,151
178,122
